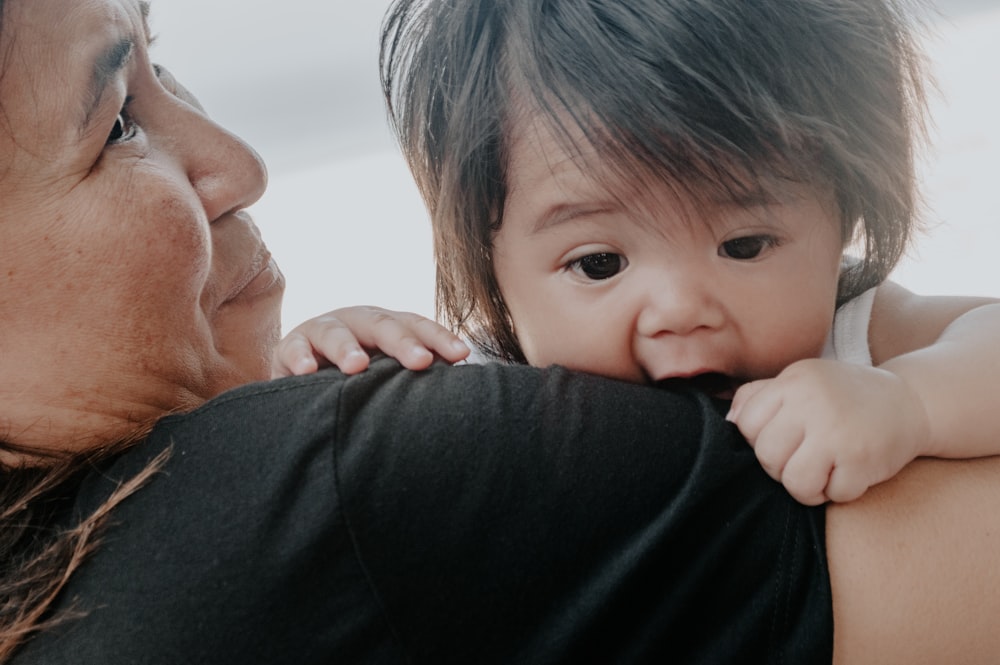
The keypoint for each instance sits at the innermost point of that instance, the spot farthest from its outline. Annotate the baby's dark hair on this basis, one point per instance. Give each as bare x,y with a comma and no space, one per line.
712,96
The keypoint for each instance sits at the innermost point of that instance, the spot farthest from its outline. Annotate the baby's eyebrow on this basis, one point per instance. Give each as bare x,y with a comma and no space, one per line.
567,212
756,197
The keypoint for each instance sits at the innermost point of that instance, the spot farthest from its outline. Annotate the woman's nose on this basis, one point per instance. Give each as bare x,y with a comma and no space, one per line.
678,306
225,171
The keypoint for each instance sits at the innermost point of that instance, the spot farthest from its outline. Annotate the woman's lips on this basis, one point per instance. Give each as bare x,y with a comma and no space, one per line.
262,277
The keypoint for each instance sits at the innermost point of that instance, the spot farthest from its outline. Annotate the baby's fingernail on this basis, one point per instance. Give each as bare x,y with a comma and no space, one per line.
304,365
459,345
353,361
731,415
354,357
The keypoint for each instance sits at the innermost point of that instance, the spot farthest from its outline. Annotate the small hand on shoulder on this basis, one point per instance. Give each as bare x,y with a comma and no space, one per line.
829,430
344,337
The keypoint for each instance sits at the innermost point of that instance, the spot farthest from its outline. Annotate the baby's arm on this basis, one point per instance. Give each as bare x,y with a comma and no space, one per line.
956,376
830,430
340,337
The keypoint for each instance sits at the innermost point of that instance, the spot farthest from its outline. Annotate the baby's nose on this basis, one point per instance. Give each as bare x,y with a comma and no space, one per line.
679,307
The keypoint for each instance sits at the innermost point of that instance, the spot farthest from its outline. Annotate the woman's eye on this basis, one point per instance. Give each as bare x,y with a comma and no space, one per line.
599,266
124,127
746,248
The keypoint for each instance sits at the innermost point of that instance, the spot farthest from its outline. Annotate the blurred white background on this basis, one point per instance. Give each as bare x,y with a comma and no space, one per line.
298,79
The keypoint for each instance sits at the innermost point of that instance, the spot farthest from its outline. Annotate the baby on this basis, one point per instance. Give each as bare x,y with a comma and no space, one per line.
674,192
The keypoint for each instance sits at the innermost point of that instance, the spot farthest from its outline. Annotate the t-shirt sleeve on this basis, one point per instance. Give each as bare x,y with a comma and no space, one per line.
475,514
509,514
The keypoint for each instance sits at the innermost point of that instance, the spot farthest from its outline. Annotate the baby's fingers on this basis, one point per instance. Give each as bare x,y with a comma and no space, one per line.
807,475
319,343
757,411
743,395
783,452
846,485
775,446
432,335
334,342
411,339
754,405
293,357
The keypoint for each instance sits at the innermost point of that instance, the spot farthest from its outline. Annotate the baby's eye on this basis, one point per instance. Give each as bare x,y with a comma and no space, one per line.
599,266
124,127
746,248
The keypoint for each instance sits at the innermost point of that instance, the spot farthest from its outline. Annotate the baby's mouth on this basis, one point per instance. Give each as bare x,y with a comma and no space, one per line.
714,384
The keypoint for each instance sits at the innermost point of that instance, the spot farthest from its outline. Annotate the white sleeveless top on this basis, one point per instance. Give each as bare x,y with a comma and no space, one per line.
848,337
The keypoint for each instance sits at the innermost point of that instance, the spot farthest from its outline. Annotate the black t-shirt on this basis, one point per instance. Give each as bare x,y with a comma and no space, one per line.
474,514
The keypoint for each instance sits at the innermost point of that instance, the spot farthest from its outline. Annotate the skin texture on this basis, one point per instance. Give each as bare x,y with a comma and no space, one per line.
138,283
913,567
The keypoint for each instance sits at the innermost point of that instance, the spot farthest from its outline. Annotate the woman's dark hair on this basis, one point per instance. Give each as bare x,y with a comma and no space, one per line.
711,96
40,545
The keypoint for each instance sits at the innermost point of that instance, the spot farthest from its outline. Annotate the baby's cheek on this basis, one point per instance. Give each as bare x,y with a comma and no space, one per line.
790,345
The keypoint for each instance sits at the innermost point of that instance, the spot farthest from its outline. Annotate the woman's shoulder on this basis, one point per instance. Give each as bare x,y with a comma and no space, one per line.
235,551
393,497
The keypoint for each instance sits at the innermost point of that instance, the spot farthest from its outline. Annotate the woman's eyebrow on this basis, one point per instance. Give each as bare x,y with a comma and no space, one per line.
111,61
106,66
144,7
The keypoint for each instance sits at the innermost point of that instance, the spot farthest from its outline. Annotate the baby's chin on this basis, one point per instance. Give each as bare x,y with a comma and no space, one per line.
713,384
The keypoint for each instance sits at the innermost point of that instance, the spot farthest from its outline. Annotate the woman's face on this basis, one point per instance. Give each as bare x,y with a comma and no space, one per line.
133,281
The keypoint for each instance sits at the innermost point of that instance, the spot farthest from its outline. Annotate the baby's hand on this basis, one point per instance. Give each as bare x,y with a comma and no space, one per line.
340,338
829,430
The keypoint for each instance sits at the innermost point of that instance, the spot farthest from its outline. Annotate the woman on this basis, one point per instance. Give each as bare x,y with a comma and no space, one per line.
160,507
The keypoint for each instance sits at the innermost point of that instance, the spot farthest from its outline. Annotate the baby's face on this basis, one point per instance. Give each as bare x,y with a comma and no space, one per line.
650,287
